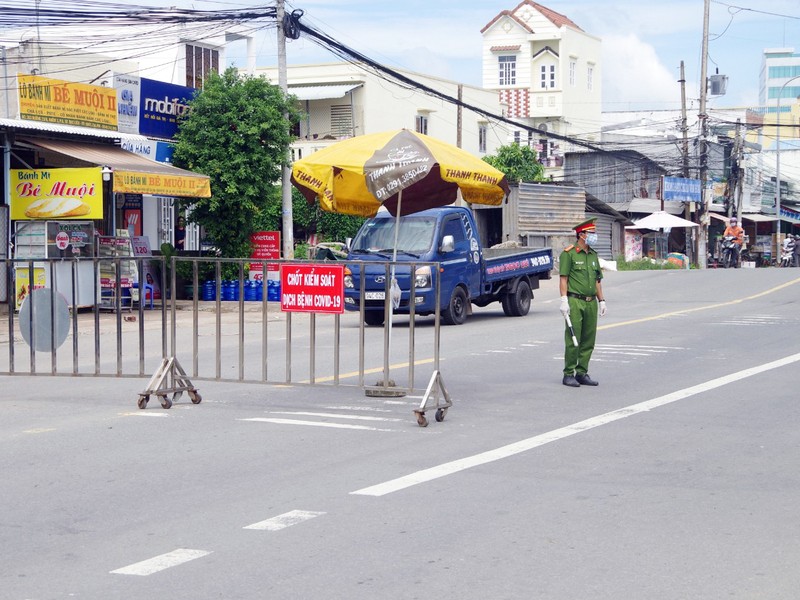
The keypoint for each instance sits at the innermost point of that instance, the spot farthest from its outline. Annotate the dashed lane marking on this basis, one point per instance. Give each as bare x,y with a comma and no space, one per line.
334,416
164,561
285,520
314,424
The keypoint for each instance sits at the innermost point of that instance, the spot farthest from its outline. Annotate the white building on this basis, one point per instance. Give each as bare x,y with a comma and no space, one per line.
778,67
342,100
547,72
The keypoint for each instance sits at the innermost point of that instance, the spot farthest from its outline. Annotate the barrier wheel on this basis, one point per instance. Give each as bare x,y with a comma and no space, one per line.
421,420
165,402
177,396
440,413
195,397
143,401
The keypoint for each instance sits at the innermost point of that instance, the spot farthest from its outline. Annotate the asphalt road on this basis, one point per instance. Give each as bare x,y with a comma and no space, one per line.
675,478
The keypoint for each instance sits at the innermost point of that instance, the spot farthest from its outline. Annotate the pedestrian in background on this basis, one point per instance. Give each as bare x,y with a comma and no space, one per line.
581,296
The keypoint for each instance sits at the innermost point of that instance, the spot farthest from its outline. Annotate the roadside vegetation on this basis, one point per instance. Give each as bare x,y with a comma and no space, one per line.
644,264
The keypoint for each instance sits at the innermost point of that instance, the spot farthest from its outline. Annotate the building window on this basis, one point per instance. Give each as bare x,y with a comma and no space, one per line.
422,124
590,78
539,102
199,63
517,137
551,100
573,67
341,121
482,133
784,71
548,79
790,91
508,70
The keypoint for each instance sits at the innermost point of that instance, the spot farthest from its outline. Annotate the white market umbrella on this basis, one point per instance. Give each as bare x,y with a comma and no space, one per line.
660,220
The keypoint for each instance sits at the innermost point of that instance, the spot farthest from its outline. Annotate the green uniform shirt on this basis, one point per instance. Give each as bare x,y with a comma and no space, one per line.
582,269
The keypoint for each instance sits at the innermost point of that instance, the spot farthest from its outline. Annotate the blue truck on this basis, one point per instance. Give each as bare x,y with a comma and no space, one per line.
469,273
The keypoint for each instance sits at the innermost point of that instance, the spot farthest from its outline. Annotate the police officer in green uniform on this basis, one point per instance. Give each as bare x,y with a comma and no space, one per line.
581,296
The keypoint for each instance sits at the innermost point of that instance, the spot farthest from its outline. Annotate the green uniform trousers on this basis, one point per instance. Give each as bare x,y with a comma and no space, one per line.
584,321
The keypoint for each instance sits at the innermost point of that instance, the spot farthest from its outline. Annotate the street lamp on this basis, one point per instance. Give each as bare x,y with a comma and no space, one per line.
778,162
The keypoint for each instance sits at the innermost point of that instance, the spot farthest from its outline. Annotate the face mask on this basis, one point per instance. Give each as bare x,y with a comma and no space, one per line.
591,239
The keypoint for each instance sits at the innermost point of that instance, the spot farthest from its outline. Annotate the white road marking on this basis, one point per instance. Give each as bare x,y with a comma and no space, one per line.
285,520
359,408
333,415
314,424
159,563
143,413
483,458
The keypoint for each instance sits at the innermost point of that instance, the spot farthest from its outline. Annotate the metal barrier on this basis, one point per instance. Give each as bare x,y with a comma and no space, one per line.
113,333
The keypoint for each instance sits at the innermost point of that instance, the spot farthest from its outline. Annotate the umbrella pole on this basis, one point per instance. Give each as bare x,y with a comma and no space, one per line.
392,283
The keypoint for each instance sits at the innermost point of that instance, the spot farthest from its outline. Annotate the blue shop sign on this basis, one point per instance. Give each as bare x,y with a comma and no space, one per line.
161,106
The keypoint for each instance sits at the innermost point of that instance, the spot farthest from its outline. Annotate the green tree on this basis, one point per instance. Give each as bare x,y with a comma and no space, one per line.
518,162
236,133
329,227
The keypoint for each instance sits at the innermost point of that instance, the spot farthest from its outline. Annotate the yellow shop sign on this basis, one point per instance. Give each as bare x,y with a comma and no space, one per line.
56,194
67,102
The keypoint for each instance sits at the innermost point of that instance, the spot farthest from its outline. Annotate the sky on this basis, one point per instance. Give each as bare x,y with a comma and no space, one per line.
643,42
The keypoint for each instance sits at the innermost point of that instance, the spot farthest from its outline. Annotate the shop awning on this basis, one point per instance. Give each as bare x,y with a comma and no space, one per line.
322,92
132,174
754,217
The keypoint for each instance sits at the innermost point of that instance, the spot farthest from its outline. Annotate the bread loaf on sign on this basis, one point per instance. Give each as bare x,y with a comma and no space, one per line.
55,208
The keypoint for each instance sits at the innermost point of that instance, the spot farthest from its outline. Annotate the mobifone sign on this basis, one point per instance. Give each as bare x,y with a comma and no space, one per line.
149,107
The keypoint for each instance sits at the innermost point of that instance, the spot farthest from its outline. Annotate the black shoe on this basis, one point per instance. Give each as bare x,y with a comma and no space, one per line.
585,379
570,381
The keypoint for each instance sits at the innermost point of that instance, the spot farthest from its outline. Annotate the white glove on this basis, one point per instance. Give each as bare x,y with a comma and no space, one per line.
564,308
602,308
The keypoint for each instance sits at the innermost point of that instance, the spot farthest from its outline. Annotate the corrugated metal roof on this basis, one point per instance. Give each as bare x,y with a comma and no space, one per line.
322,92
26,125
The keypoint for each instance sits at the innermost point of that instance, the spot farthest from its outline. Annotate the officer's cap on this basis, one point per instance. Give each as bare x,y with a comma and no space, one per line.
588,225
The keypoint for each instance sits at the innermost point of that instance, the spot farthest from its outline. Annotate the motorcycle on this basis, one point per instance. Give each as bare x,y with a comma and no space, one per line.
730,252
787,252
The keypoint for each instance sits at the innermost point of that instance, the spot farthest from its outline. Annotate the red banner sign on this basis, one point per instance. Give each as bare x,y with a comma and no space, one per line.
312,288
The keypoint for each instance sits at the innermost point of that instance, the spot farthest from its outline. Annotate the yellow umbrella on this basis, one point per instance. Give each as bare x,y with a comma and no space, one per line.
402,170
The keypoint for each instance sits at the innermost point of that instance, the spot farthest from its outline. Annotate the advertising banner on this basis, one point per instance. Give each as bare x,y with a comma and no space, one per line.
679,189
56,194
161,105
161,185
66,102
312,288
266,245
128,89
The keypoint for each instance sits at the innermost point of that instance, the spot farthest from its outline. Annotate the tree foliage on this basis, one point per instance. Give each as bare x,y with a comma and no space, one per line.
236,132
329,227
518,162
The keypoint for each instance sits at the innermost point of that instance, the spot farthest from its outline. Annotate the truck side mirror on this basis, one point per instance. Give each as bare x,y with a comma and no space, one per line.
347,243
448,244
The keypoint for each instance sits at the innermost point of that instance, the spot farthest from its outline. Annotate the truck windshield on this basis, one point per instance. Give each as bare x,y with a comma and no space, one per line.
377,236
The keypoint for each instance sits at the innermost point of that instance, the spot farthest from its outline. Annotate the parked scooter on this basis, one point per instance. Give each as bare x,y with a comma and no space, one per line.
787,251
730,252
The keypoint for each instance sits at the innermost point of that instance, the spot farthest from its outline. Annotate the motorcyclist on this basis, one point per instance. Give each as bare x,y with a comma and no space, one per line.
796,257
789,247
737,233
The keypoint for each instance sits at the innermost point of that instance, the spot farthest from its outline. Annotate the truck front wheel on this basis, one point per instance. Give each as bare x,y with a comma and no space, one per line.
519,303
455,313
374,317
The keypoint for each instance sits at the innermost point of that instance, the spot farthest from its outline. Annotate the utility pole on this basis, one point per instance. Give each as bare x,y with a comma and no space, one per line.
687,212
702,243
286,170
736,173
